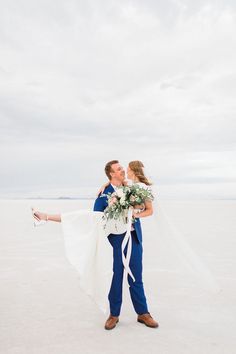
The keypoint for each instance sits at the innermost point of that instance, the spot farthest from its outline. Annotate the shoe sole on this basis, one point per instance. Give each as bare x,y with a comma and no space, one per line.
141,321
109,328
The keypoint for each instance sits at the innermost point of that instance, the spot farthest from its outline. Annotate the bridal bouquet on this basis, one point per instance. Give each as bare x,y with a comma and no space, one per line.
123,198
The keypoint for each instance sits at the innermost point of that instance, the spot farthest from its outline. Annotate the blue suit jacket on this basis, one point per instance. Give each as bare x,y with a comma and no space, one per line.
101,203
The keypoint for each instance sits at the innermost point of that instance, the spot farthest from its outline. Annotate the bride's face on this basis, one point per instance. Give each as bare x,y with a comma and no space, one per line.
130,173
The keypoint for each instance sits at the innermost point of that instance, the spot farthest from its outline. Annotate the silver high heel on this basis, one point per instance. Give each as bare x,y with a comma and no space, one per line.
37,221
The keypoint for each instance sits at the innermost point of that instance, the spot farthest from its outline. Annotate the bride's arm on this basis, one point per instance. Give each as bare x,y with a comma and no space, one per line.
146,212
101,190
48,217
55,217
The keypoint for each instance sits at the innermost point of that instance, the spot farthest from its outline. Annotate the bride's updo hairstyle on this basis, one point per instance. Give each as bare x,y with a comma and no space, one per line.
137,168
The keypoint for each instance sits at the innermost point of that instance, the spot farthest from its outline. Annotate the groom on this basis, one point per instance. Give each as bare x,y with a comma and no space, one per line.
116,176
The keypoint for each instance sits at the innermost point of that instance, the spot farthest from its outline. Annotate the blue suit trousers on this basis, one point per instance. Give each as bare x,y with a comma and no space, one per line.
136,288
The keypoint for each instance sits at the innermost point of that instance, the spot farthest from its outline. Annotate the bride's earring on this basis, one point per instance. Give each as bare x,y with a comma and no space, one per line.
37,221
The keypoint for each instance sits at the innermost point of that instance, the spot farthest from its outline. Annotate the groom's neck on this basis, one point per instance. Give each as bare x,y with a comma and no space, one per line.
115,183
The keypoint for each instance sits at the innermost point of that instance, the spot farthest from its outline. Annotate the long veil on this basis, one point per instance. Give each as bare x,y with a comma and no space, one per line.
168,250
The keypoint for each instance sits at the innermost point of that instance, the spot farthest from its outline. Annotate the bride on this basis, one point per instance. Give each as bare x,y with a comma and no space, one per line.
86,235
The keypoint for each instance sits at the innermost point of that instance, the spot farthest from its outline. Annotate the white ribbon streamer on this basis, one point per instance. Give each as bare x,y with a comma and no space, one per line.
127,240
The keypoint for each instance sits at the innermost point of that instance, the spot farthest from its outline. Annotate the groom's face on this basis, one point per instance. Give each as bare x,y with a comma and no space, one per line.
118,172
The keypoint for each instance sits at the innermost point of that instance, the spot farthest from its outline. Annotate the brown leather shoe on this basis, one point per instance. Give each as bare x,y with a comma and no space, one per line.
111,322
147,319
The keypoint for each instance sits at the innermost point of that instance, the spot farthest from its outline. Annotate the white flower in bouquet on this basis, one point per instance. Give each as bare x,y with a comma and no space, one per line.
132,198
112,200
124,198
120,192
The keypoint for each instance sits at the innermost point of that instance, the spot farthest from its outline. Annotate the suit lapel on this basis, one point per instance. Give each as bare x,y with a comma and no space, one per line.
110,189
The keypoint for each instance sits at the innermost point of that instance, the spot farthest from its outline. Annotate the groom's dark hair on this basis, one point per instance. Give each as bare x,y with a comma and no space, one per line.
108,168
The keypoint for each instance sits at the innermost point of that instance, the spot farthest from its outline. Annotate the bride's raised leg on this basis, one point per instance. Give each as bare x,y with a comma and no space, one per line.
42,218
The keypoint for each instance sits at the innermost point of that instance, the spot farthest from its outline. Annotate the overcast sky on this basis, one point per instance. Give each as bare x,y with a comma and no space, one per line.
84,82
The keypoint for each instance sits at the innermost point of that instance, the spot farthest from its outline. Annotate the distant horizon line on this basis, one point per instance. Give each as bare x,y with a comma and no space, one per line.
93,198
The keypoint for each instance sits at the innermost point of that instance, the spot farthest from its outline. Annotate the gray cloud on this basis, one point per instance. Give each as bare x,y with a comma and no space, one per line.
83,82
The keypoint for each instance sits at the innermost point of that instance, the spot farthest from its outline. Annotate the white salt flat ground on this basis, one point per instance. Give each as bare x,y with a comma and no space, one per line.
43,310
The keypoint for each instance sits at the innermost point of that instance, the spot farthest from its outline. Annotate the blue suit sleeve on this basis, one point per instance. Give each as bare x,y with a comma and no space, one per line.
100,204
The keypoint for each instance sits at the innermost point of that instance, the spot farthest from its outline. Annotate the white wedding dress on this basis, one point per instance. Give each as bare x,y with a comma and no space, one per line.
88,249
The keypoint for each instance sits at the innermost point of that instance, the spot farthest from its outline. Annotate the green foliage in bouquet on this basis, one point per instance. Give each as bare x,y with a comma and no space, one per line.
123,198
